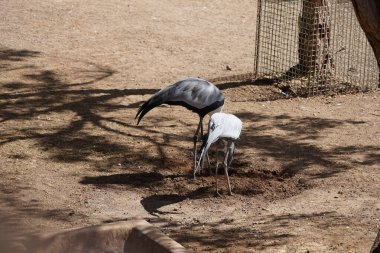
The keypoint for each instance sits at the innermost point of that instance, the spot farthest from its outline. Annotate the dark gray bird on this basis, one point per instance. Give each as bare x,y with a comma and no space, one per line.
197,95
225,128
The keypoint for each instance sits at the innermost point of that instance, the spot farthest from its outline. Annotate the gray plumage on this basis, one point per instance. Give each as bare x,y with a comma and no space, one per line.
197,95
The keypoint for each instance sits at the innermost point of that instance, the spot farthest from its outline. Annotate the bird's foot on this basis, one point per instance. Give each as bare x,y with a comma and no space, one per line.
196,171
218,194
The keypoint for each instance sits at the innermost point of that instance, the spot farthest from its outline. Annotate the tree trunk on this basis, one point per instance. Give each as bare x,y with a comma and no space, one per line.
314,52
368,14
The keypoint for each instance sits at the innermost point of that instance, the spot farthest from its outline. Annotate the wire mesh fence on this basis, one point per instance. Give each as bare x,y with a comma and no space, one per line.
314,47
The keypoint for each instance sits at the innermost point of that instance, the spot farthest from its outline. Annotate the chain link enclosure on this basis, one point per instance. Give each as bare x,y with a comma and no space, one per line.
313,47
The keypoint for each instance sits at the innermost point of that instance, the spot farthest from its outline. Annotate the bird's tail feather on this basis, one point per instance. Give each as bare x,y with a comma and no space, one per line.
147,106
202,152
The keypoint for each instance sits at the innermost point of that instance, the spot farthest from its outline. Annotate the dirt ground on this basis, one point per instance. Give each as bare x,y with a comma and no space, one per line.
72,75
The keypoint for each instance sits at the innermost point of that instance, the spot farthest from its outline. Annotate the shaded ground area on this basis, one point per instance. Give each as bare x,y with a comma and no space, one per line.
305,175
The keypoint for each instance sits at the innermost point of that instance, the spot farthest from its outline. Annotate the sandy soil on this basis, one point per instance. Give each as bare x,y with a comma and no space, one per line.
72,75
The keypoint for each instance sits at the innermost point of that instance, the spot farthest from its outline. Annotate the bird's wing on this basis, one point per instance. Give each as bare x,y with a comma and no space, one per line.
221,125
195,92
232,126
191,92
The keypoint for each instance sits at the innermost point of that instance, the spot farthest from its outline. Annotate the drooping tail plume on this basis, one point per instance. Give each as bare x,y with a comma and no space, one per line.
202,153
153,102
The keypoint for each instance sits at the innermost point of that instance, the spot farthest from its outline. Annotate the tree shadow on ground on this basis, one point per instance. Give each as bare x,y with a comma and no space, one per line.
297,147
86,105
44,93
85,116
266,232
15,216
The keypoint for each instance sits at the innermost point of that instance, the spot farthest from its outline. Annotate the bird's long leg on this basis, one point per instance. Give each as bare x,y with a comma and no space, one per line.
207,156
216,174
201,138
225,165
231,146
195,145
209,163
201,123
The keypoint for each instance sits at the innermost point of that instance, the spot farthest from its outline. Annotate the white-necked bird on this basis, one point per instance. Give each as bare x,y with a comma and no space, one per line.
222,127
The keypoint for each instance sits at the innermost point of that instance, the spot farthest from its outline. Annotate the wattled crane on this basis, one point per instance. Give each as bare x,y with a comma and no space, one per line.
222,127
197,95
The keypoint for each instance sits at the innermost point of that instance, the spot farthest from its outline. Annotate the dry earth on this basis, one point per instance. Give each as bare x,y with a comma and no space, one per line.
72,75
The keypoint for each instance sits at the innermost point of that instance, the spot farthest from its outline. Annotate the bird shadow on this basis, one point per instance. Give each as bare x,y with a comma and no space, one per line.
78,121
137,180
73,122
154,202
